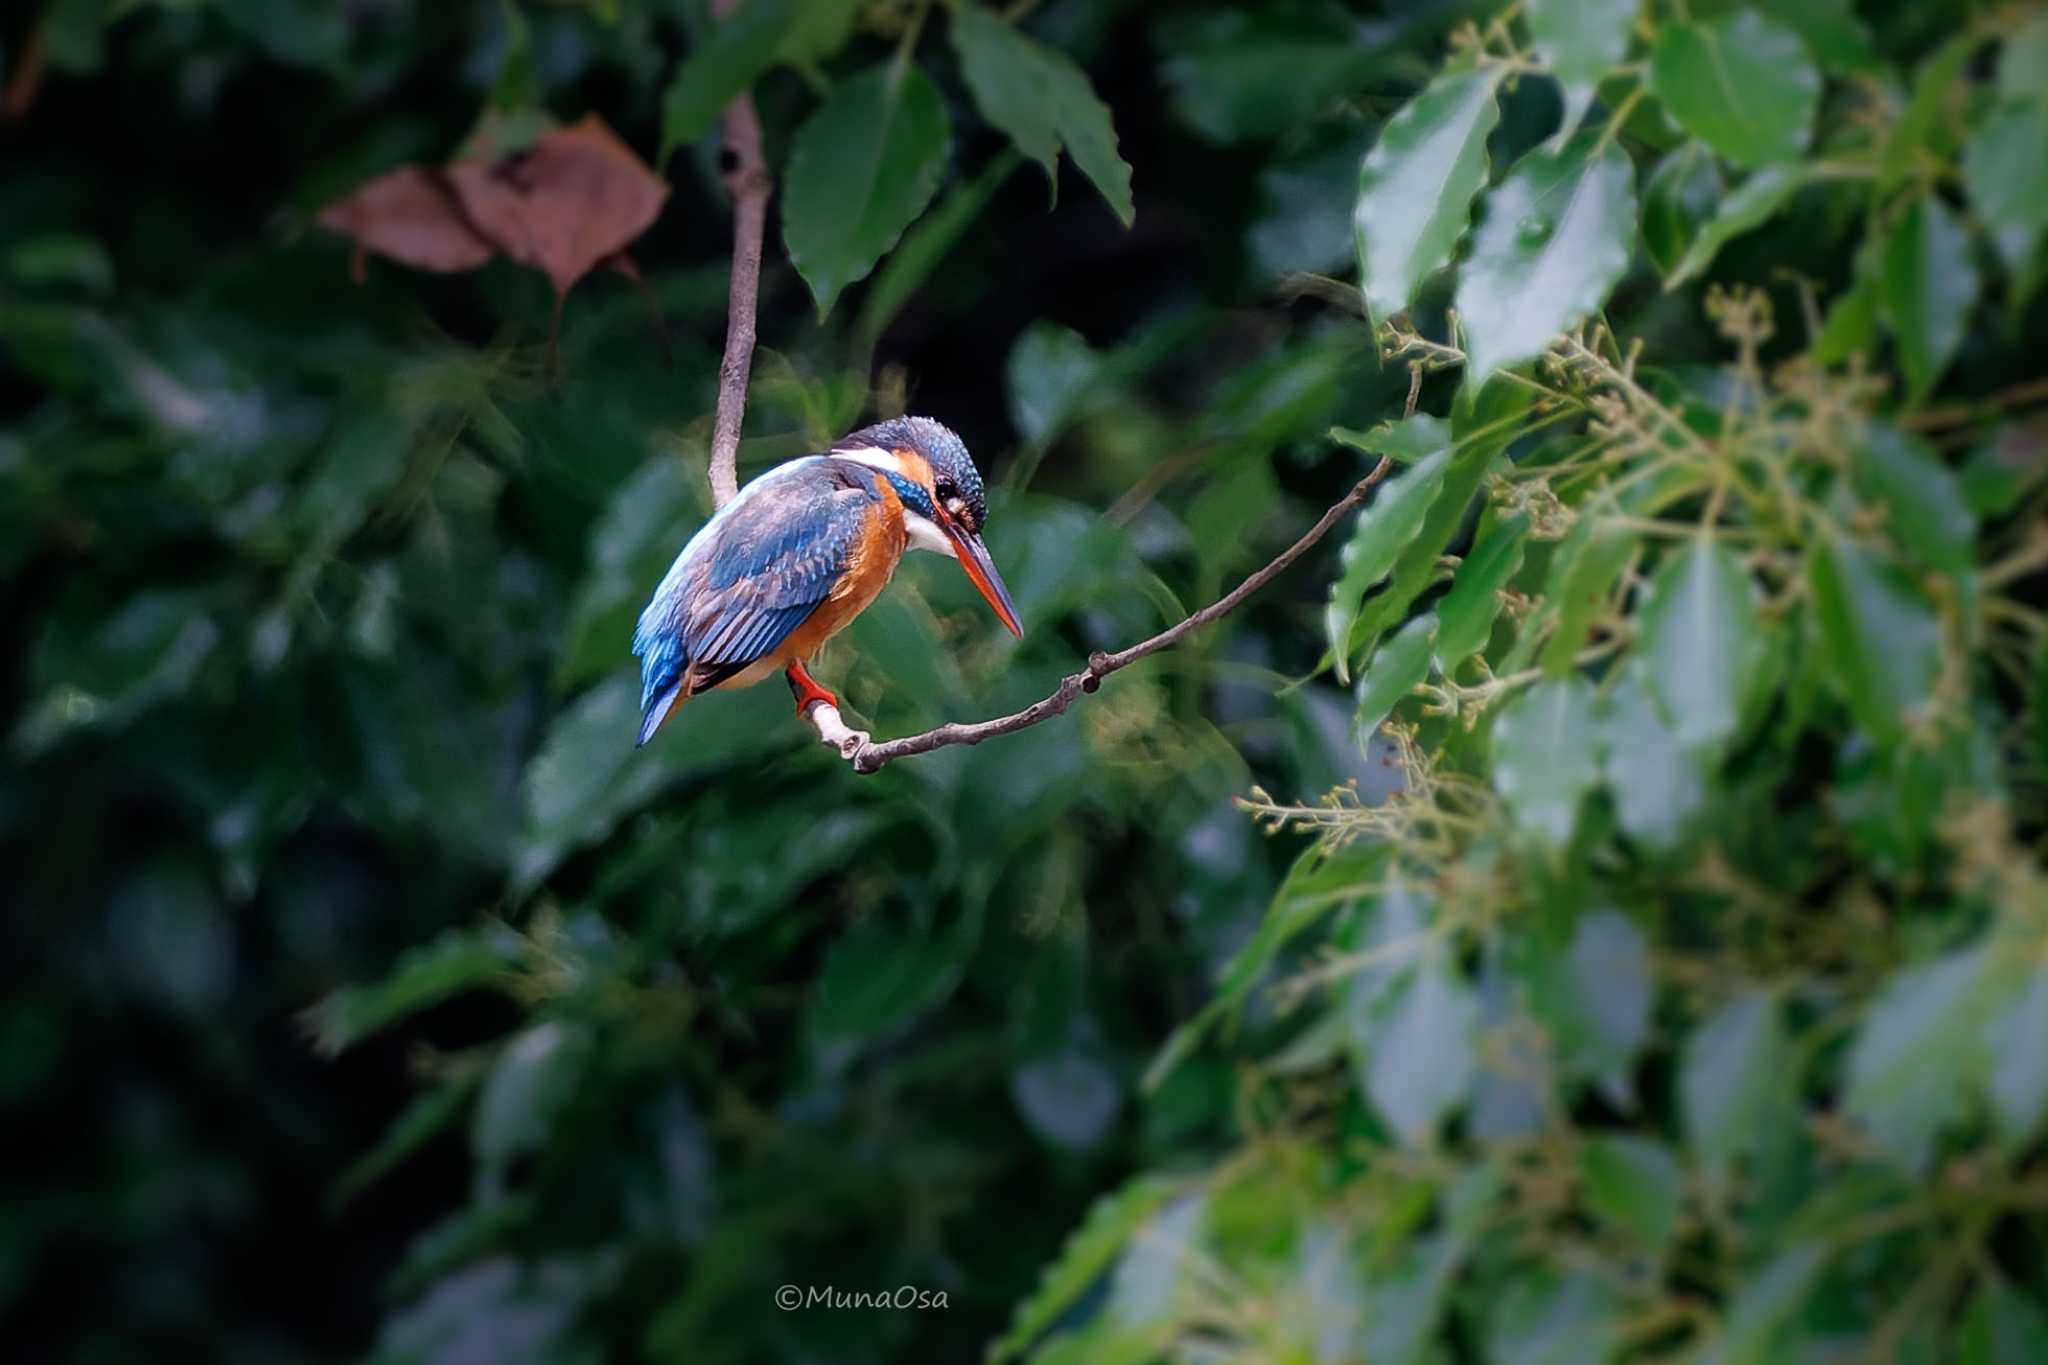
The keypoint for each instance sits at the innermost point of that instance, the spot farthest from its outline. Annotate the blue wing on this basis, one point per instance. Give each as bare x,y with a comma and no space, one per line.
753,574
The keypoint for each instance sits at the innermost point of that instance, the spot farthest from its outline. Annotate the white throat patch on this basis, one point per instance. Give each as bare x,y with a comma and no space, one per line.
924,535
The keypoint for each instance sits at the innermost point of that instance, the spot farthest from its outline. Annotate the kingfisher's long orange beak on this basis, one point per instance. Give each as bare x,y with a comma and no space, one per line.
981,572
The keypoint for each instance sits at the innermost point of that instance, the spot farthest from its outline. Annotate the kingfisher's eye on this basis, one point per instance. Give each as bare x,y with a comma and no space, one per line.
945,489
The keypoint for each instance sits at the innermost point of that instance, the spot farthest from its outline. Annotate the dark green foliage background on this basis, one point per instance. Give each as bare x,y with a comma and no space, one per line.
366,994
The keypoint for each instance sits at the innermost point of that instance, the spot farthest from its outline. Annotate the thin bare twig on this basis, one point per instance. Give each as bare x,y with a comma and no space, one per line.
748,183
867,756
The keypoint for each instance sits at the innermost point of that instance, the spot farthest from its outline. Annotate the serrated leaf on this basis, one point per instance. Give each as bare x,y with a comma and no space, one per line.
1729,1068
1544,756
1043,101
1415,188
1918,1054
1634,1184
1466,613
1682,193
1925,510
1700,641
864,164
1758,197
1556,235
1658,784
2005,170
1396,667
1929,286
1387,524
1579,40
1742,84
1882,639
734,52
1110,1223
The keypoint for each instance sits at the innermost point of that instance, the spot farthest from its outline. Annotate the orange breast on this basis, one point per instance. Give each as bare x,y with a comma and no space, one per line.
874,559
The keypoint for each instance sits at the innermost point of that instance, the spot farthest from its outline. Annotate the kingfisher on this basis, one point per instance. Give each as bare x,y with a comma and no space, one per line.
800,552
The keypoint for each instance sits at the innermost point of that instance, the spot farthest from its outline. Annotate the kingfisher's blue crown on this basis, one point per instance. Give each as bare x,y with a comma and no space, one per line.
938,444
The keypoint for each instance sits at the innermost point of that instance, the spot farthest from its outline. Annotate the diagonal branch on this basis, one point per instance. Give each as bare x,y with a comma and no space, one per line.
748,183
867,756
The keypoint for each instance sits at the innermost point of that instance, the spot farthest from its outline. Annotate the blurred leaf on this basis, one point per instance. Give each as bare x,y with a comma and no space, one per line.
1384,527
1111,1222
880,974
1580,40
1742,84
2005,169
1925,509
1919,1054
1753,203
1404,1302
1921,128
1305,210
459,960
1659,785
1050,374
149,650
2023,61
2002,469
1838,40
432,1112
1466,613
1043,101
1766,1300
62,260
1701,641
1731,1064
735,51
2018,1074
1882,641
864,164
1544,756
1929,288
643,527
927,243
1236,74
534,1077
1608,966
1070,1098
1415,188
1581,586
1556,235
2001,1326
1850,324
1633,1183
1424,1050
818,30
1547,1319
1396,667
1680,197
1156,1266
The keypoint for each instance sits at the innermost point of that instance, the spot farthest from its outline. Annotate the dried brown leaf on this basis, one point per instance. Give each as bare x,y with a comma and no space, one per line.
412,216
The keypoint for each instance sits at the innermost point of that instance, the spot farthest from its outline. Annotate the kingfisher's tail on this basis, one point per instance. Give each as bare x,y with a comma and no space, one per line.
658,710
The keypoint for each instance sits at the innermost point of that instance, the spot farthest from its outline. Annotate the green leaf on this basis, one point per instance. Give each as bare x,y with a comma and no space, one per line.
926,244
1415,188
2005,170
533,1078
1882,639
1544,756
1838,40
1700,641
1580,40
1043,101
2018,1078
1920,133
1633,1183
1929,286
1760,196
1556,236
1850,327
1658,783
430,1113
2002,1326
459,960
1466,613
2023,61
1259,70
1153,1275
1919,1055
1396,667
1546,1318
1731,1065
1682,193
1387,524
1925,509
2004,468
1404,1301
1110,1223
1408,441
1581,583
1608,970
1424,1050
1767,1300
819,29
733,54
1050,374
1742,84
863,165
881,974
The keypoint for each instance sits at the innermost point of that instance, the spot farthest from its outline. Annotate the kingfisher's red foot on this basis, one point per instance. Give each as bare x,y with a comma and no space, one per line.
806,690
